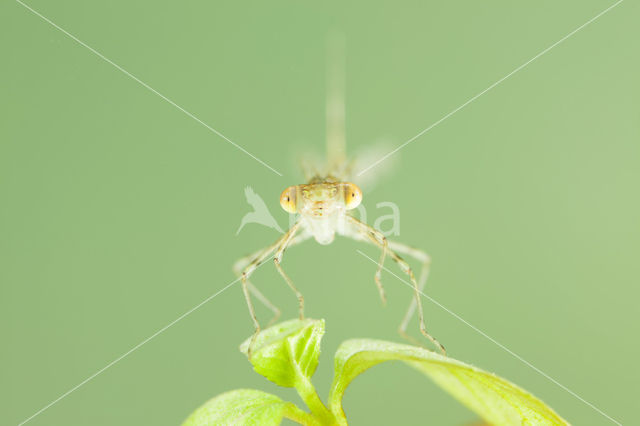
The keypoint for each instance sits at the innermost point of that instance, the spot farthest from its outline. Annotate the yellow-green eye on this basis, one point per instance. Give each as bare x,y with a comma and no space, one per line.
288,199
352,195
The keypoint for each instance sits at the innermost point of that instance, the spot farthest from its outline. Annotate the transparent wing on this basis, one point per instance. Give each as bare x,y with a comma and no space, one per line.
336,164
312,165
365,156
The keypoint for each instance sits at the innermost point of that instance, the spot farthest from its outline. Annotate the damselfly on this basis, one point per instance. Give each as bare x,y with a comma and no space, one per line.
324,207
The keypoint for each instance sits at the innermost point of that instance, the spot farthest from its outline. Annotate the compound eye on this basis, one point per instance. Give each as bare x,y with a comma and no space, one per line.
288,199
352,195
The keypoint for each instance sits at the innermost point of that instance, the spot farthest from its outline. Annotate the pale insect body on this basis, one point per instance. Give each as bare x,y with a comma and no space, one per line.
324,206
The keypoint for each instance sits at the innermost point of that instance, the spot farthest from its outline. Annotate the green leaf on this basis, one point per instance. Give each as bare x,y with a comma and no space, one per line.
288,352
242,406
494,399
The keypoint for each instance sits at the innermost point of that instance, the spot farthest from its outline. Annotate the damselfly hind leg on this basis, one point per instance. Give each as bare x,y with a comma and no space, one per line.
362,231
425,259
379,239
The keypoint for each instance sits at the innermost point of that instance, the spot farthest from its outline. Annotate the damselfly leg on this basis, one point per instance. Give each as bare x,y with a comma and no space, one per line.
363,232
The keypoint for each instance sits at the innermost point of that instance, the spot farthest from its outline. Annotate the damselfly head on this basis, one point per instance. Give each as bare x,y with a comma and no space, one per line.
321,199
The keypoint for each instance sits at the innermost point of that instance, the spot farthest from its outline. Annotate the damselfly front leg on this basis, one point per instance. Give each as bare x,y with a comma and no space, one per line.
238,267
245,273
361,231
247,265
277,259
266,302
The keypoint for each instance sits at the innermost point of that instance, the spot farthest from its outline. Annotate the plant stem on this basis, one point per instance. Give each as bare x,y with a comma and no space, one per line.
292,412
308,393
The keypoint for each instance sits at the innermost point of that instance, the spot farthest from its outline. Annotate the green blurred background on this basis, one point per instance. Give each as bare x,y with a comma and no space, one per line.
118,212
